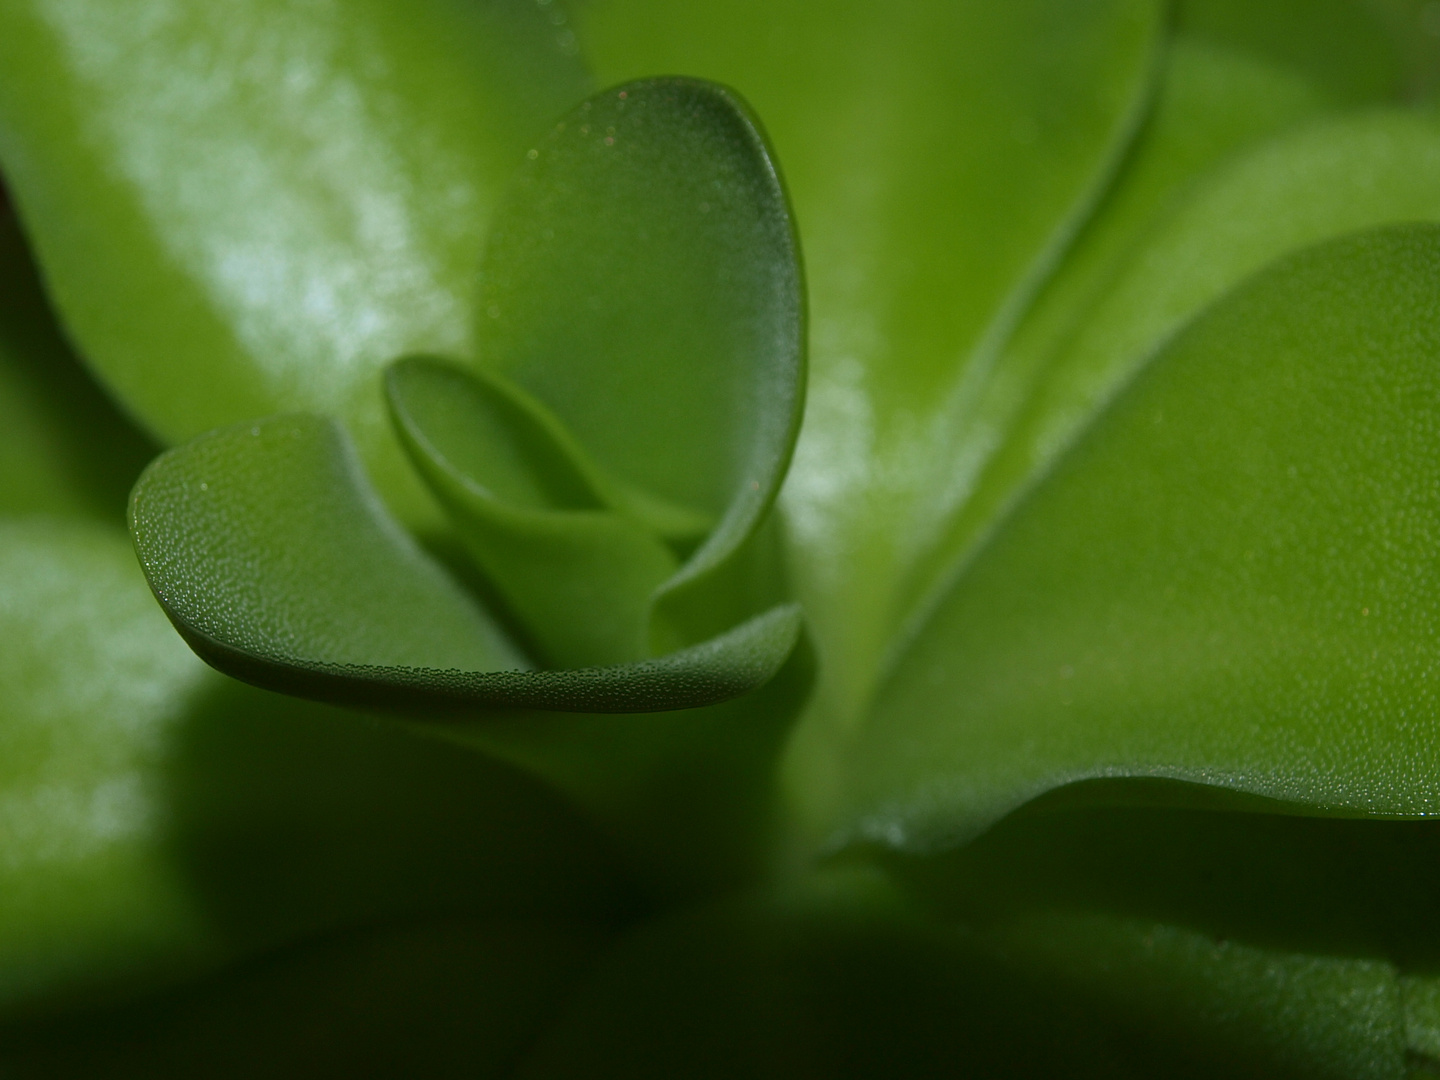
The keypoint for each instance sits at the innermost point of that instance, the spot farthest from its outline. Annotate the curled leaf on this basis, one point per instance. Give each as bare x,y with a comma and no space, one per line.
278,564
642,378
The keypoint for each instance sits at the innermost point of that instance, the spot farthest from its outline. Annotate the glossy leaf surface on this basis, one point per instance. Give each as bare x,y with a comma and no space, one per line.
160,820
1227,581
938,155
250,208
279,565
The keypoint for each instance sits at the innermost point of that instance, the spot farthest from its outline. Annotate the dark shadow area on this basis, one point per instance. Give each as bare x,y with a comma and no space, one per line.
451,998
294,818
688,796
807,994
61,430
1321,885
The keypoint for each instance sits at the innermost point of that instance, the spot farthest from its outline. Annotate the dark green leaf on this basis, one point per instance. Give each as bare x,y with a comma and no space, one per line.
578,574
461,998
642,280
1343,45
279,565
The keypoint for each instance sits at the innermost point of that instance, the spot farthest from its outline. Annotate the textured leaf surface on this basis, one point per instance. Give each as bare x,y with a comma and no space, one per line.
248,208
279,565
1229,580
643,282
1318,182
1261,944
527,502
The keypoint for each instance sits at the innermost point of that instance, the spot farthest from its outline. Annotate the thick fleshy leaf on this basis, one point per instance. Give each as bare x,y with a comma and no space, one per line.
159,819
1322,181
1228,581
938,155
577,574
642,280
279,565
248,208
1210,103
65,448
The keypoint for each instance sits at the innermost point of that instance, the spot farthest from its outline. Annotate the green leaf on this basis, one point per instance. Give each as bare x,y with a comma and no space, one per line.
278,564
1226,581
643,281
65,448
1211,103
577,574
160,820
938,155
250,211
1318,182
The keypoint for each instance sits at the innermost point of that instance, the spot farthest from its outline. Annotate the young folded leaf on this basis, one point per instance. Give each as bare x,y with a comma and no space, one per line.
642,281
577,574
279,565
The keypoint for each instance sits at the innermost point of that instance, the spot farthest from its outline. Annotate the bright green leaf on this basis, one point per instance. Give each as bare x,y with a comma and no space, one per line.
1211,103
1318,182
279,565
1228,581
939,155
250,208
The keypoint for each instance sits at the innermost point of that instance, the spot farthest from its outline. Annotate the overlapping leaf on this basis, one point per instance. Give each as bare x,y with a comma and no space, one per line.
643,350
251,208
267,549
1228,581
939,155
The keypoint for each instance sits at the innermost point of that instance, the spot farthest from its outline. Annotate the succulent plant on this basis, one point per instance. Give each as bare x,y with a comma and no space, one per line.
740,539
